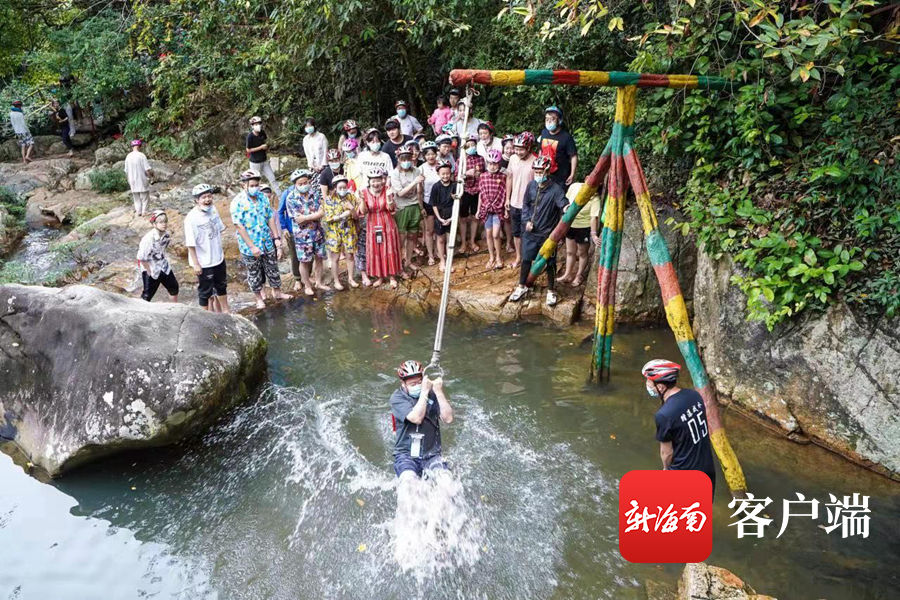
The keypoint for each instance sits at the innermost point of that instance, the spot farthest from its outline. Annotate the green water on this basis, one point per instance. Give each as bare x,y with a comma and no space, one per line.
293,496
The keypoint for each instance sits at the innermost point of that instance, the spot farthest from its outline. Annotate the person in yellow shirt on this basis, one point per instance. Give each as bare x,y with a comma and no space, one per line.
578,239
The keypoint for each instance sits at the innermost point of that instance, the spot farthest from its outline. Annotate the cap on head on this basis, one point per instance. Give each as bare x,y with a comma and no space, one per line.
136,143
661,371
17,103
156,214
255,120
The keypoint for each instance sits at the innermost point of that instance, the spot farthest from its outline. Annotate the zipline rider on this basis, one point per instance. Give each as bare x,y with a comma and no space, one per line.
418,406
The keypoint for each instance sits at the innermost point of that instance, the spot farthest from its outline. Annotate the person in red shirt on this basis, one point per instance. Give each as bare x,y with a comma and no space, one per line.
492,207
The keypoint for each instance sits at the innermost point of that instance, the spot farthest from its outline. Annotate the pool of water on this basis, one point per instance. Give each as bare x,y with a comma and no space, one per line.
292,496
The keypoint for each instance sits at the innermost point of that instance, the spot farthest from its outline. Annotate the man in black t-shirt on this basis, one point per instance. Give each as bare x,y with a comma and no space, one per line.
559,146
257,146
681,426
417,408
396,138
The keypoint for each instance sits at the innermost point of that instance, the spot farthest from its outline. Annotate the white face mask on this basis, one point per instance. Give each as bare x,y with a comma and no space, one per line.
651,389
334,166
342,193
205,208
252,190
551,125
309,129
374,146
414,390
257,128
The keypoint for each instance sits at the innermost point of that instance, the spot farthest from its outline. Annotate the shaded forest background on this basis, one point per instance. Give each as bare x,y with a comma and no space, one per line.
792,171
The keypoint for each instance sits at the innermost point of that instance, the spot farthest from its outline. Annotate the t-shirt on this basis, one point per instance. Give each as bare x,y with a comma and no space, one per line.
254,214
17,120
152,250
203,230
401,404
583,219
315,146
390,148
543,207
409,125
560,148
253,140
431,177
681,420
439,118
366,161
327,175
442,198
136,167
62,119
520,175
399,180
496,144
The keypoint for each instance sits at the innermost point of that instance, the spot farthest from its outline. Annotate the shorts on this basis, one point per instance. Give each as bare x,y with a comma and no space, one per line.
515,218
492,221
581,235
531,245
151,285
309,243
408,219
261,269
440,228
468,205
24,140
404,462
212,279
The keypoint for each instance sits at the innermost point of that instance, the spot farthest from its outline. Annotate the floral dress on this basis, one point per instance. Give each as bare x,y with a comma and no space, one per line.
340,235
309,237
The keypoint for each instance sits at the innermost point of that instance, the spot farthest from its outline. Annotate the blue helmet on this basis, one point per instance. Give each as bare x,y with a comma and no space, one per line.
555,109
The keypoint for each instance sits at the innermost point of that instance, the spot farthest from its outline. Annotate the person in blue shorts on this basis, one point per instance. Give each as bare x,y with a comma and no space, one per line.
418,406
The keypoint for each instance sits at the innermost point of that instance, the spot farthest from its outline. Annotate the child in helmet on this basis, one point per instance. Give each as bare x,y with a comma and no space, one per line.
155,267
468,206
340,229
203,237
492,207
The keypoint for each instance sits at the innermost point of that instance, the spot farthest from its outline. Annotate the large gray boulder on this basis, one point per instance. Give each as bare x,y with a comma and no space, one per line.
829,377
86,373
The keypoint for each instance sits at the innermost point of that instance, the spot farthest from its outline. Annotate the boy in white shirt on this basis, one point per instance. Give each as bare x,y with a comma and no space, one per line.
203,237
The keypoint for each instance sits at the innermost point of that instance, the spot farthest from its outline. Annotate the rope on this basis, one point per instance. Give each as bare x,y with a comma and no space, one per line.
435,364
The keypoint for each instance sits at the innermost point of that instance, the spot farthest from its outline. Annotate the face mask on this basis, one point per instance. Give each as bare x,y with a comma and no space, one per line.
401,113
471,151
414,390
252,191
257,128
540,178
343,193
334,166
350,154
303,188
352,134
406,164
205,208
651,389
374,146
551,126
309,129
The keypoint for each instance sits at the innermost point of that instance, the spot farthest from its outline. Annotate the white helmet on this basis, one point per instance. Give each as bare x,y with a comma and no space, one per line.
200,189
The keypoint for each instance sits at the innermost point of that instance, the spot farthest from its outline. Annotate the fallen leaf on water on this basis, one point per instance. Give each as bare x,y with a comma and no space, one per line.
646,348
406,332
361,548
360,501
483,497
612,436
133,488
386,336
515,335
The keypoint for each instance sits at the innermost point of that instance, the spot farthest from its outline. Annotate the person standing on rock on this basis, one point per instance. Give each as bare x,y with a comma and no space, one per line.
259,237
203,230
20,128
396,139
382,238
340,229
542,208
373,157
155,267
417,408
441,201
304,206
257,151
681,426
334,168
315,145
407,182
62,120
558,145
518,175
138,172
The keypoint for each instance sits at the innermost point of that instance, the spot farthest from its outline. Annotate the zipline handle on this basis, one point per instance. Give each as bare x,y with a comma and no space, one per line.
433,370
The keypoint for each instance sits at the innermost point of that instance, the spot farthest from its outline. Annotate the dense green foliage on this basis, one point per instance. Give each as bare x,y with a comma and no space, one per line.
108,181
791,171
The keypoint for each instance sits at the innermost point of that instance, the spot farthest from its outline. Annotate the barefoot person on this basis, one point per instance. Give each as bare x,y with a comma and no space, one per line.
518,175
492,207
441,201
382,238
259,237
578,239
203,237
20,127
407,183
304,206
155,267
681,427
418,406
340,229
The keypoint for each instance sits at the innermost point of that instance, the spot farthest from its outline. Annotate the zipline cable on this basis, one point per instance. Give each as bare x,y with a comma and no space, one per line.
435,364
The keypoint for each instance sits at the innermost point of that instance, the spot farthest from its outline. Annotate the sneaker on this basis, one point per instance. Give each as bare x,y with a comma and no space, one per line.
551,298
518,293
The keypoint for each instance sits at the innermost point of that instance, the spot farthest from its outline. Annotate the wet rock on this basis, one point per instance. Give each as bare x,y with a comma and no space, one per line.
85,373
40,173
830,377
699,580
638,298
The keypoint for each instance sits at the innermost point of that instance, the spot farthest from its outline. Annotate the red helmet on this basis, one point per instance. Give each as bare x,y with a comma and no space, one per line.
333,155
662,371
524,139
541,162
409,368
350,124
494,156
